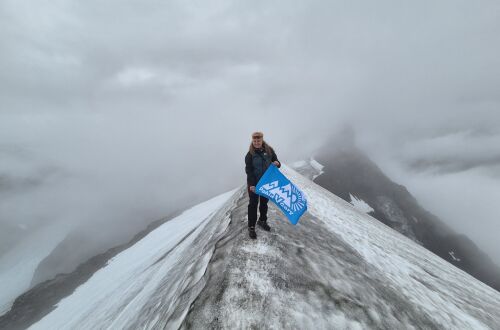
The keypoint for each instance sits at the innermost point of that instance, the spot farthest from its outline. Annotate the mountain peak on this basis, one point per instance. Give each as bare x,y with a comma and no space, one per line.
338,268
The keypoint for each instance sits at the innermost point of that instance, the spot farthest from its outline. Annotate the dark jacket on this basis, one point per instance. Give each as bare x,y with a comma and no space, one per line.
257,164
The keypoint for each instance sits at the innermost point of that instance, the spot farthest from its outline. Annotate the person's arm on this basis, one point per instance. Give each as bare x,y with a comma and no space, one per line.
275,158
251,181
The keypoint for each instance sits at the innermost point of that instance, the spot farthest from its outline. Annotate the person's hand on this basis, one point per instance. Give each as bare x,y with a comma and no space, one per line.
276,163
252,188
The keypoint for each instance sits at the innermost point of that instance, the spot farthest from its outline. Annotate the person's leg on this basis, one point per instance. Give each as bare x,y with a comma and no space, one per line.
252,207
263,208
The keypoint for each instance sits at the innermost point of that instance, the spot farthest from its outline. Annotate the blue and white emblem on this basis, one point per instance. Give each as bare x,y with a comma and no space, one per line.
290,199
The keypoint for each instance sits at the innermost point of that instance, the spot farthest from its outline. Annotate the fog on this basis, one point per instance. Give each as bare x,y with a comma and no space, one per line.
117,113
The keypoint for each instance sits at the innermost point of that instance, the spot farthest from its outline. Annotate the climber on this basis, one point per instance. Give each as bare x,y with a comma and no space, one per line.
260,155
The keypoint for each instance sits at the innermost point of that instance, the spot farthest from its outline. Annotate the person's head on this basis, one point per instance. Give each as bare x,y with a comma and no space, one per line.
258,142
257,139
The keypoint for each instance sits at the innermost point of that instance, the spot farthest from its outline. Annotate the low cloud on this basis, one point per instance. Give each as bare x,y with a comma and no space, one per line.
119,112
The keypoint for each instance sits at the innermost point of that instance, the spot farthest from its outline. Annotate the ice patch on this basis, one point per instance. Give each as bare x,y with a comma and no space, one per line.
258,248
360,204
317,166
452,254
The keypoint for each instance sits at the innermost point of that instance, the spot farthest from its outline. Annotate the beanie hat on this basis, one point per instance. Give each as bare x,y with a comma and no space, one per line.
257,134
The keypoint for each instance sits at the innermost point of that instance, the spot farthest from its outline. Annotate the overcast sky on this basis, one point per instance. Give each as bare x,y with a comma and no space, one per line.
122,111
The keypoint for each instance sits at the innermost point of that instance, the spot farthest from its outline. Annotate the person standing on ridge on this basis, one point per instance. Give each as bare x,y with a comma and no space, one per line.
260,155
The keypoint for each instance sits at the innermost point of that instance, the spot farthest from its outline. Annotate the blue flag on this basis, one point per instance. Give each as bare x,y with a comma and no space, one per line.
275,186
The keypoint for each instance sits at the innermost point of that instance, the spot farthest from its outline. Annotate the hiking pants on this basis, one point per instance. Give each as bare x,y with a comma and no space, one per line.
252,207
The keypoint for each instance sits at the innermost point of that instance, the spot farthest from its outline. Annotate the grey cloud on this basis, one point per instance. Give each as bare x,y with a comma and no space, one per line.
454,152
452,165
147,106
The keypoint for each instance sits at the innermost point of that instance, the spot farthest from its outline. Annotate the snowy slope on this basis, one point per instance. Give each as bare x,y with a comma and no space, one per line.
143,286
348,171
338,268
449,296
18,265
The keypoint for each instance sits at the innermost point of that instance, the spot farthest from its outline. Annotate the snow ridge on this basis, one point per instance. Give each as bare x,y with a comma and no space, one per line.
449,295
338,268
151,284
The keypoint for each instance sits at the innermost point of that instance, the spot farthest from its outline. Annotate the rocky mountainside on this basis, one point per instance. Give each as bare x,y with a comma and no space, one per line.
351,175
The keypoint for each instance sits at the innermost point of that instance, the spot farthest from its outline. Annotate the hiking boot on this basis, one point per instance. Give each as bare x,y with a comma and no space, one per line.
252,233
264,225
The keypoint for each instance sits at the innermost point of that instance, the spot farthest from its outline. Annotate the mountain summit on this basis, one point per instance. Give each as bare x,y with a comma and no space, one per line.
338,268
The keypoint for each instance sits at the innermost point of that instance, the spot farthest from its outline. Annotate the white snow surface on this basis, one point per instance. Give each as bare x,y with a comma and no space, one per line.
360,204
339,268
317,166
450,296
18,265
116,296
